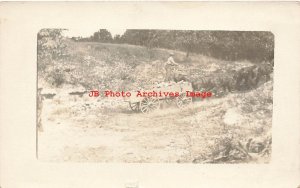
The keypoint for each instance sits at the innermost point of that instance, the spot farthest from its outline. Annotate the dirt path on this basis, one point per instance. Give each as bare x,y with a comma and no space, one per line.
122,137
84,133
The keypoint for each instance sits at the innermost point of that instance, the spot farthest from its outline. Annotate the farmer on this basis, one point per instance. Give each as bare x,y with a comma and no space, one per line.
169,66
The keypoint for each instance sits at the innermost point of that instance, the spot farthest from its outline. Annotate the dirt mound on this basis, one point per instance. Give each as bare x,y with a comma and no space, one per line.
247,123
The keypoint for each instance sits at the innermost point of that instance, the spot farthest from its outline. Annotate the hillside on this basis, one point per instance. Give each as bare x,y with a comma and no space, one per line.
94,65
234,128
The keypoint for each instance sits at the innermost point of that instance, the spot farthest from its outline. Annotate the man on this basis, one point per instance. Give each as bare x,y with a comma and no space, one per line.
169,66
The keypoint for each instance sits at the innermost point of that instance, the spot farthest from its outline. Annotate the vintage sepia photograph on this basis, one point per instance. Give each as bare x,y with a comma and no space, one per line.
138,94
154,96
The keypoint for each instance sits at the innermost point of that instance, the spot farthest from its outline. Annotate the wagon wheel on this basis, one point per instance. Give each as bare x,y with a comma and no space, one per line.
149,104
169,100
134,106
183,101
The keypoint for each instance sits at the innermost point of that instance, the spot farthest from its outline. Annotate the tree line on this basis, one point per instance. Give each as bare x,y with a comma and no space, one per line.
255,46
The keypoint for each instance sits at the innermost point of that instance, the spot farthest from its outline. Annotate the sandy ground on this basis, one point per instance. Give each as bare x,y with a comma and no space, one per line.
117,137
85,130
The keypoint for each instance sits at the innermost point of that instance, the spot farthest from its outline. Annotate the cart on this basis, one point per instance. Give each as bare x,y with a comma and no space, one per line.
149,104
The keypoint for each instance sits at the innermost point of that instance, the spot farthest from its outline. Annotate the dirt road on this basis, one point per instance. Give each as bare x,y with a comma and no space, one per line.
81,131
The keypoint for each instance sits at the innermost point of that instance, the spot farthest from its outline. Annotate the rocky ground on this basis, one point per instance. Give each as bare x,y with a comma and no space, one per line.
234,128
85,129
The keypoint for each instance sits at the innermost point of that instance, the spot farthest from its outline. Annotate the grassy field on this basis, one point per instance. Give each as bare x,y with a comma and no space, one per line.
94,65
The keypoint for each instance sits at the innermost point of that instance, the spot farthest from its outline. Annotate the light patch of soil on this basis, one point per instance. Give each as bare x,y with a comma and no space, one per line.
81,131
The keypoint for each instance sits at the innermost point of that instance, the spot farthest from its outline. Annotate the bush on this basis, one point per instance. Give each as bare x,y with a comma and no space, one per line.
58,78
50,49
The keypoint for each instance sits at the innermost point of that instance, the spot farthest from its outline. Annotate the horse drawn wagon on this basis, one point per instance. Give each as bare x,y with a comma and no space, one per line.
170,92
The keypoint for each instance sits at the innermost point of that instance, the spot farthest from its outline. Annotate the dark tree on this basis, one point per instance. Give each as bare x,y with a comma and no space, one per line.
102,35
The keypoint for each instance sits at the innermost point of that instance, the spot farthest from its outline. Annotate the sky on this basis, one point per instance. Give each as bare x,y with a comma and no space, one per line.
86,32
